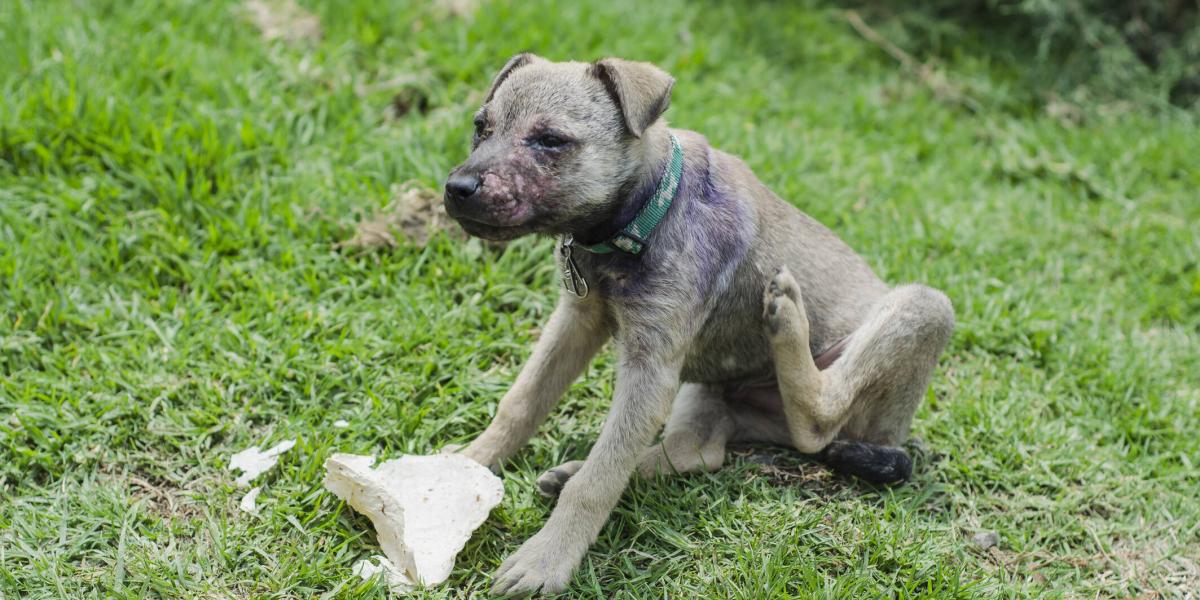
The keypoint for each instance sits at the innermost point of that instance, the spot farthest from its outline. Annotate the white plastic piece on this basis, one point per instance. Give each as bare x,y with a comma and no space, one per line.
395,580
248,503
341,424
254,462
424,508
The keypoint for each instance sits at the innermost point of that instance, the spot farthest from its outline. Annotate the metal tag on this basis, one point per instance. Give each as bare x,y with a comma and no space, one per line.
572,280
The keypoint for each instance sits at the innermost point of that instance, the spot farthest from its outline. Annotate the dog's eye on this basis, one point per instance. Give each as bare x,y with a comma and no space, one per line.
481,132
549,141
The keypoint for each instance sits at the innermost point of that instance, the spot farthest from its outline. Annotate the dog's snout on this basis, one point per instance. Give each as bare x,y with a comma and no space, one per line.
462,186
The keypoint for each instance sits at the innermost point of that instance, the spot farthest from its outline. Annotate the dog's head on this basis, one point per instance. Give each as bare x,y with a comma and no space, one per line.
556,145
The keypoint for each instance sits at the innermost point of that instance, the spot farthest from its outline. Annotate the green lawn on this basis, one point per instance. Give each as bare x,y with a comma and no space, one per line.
172,185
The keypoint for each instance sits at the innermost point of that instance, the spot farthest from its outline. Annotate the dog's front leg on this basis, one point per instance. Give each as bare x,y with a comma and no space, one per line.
646,383
574,333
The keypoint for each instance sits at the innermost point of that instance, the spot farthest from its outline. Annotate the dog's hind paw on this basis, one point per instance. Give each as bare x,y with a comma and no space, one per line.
551,482
882,465
783,307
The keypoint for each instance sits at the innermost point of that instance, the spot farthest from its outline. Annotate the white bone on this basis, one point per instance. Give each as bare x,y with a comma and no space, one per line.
424,508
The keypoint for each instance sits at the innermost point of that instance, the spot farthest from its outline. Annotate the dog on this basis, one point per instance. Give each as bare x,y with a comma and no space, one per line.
735,316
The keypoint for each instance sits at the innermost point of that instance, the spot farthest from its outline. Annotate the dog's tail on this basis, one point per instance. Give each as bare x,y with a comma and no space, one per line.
870,462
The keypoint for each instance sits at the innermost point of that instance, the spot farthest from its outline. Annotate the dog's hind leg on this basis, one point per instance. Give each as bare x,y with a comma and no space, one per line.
867,398
694,439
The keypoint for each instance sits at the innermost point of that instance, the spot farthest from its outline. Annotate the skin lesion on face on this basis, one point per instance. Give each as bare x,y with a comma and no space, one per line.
516,196
506,197
547,157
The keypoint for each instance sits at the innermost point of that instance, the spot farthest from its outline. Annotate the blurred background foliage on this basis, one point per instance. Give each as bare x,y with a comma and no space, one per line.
1141,51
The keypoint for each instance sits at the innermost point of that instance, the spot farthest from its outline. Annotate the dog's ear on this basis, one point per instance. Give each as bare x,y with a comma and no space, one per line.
642,90
513,64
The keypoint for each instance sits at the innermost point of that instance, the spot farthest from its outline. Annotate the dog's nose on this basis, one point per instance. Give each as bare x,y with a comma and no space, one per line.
462,186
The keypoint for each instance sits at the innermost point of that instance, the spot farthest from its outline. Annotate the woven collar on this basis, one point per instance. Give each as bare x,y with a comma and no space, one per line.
632,238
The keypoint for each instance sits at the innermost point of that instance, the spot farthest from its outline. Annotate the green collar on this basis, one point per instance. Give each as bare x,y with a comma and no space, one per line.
632,238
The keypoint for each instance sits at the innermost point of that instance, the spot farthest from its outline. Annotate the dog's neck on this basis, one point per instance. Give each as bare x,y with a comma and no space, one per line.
650,157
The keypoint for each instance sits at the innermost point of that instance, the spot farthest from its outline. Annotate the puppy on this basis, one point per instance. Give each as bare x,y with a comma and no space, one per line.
735,316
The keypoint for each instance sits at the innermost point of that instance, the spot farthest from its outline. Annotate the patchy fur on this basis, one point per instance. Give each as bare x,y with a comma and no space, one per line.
715,323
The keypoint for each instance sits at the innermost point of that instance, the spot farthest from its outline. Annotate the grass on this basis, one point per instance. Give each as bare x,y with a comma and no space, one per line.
171,186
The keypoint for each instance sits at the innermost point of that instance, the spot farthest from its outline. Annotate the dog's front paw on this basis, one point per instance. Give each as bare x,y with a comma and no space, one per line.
543,564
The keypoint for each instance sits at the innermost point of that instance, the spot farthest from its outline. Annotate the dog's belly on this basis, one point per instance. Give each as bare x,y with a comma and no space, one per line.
729,363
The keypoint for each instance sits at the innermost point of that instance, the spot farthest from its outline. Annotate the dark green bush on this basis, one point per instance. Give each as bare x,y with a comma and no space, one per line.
1145,50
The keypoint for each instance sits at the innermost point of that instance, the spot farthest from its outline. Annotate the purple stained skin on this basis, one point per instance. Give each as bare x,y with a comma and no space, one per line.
701,219
719,246
619,277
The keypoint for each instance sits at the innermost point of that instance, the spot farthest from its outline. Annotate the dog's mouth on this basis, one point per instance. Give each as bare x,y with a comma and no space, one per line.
496,232
495,219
